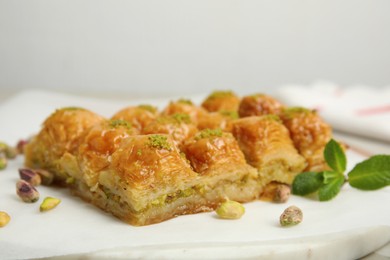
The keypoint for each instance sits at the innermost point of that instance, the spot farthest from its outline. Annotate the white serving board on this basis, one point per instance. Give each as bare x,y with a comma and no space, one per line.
350,226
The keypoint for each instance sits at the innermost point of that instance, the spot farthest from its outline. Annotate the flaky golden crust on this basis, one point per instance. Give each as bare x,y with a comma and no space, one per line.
143,164
60,134
259,105
179,126
209,153
267,146
138,116
214,120
309,134
98,144
185,107
221,101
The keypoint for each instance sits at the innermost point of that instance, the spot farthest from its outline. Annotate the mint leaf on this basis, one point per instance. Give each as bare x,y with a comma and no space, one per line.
371,174
306,183
330,175
335,156
330,190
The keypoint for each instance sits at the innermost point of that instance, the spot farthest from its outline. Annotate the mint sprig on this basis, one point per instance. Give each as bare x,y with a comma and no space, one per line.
335,156
371,174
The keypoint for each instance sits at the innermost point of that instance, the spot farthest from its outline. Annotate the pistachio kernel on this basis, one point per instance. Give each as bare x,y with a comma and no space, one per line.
4,218
3,147
11,152
3,162
49,203
282,193
30,176
20,146
26,191
291,216
47,177
230,210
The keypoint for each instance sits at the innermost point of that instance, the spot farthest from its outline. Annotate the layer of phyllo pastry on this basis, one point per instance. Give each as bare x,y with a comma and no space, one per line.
217,158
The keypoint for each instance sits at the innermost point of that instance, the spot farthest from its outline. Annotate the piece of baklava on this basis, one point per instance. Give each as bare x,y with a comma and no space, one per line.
310,134
267,146
60,134
217,157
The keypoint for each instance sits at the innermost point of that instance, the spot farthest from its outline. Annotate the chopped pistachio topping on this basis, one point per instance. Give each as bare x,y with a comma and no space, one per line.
72,108
272,117
139,152
231,114
149,108
290,112
185,101
174,119
207,133
159,141
220,94
258,95
117,123
182,118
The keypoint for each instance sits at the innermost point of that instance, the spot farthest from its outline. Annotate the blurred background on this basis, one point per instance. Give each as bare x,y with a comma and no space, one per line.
174,47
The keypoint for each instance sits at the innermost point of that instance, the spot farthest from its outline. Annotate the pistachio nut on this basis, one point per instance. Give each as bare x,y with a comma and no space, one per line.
3,162
291,216
26,191
230,210
3,147
47,177
30,176
9,151
4,218
282,193
20,146
49,203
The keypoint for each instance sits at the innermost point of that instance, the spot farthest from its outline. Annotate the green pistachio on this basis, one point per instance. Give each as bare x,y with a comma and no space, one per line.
291,216
3,162
46,177
4,218
26,191
49,203
230,210
30,176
